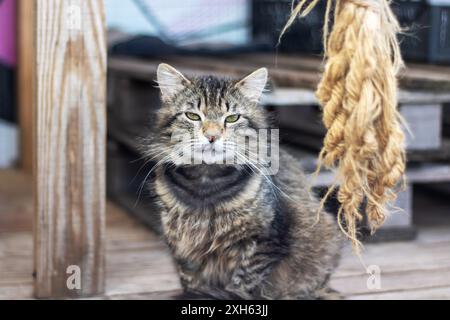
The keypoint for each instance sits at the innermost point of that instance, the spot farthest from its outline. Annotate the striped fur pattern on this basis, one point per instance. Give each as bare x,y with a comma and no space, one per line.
232,232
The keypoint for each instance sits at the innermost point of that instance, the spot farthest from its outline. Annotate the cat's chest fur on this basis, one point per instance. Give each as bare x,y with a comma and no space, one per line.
212,252
212,219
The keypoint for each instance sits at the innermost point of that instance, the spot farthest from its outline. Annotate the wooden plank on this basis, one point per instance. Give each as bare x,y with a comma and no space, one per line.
405,280
71,142
440,69
284,61
425,124
421,173
146,70
402,210
16,205
414,76
442,154
131,271
428,172
285,96
423,80
139,261
238,68
16,292
391,257
433,293
422,97
142,69
139,282
292,71
436,234
158,295
293,88
140,265
26,81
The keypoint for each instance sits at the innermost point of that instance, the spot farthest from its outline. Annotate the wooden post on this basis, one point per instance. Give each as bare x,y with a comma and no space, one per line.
25,80
70,148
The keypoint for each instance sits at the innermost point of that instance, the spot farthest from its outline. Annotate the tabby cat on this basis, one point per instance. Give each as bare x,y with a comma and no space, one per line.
235,231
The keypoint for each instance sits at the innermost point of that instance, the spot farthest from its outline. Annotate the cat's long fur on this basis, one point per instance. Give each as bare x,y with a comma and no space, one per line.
233,234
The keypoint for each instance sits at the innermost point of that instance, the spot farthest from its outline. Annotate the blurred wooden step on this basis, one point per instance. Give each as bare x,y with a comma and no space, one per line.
294,71
132,88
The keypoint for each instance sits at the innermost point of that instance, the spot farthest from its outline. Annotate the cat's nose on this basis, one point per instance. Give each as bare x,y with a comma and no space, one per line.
212,132
212,139
212,136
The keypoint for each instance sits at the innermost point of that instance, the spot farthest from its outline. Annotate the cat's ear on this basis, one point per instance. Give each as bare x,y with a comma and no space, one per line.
254,84
170,81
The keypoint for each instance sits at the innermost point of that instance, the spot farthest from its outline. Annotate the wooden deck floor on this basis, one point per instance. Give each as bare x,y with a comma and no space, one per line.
140,267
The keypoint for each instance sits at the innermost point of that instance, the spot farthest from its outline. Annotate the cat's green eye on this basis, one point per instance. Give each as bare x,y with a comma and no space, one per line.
232,119
193,116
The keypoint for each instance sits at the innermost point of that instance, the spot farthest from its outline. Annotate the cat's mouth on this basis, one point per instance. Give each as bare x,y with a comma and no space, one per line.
210,153
213,154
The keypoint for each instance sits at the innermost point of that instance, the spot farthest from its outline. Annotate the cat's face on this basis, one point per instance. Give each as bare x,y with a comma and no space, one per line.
206,119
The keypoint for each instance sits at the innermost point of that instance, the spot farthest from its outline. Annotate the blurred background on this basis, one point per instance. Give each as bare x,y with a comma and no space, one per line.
232,38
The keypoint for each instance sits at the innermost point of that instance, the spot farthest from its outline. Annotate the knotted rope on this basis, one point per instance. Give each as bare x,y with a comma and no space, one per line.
358,94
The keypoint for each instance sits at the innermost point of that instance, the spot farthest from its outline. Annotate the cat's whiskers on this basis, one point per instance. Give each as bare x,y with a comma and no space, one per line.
262,167
172,155
145,163
253,165
148,175
265,175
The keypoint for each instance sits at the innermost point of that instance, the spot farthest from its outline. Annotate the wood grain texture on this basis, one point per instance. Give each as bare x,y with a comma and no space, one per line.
289,71
140,265
293,82
25,81
414,76
71,143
